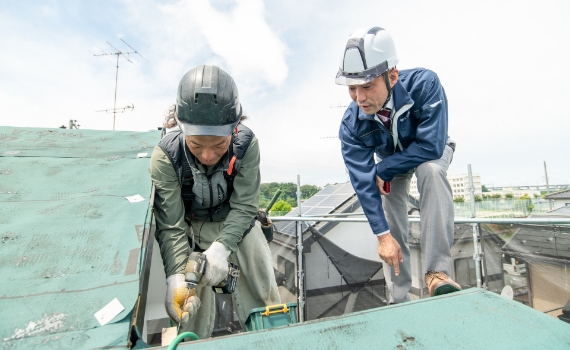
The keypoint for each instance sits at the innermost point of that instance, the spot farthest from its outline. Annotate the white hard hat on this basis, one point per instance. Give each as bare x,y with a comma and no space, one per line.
368,53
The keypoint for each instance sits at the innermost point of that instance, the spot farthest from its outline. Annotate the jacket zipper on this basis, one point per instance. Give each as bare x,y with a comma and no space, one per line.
211,197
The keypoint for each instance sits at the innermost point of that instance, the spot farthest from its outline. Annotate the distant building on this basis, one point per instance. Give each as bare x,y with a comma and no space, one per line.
459,185
559,199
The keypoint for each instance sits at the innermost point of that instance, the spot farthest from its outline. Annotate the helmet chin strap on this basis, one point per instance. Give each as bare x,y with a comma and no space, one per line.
388,87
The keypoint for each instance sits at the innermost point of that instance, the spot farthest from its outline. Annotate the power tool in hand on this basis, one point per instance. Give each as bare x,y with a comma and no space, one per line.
196,267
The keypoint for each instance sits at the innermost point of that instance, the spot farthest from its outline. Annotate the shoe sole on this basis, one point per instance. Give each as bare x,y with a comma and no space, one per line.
445,289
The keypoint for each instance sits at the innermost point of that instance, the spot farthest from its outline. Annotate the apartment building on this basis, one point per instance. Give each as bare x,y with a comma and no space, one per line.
459,185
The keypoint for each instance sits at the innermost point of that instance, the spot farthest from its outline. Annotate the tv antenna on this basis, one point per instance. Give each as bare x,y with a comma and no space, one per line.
118,53
117,110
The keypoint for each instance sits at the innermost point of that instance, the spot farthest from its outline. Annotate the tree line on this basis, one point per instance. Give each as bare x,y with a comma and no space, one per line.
287,198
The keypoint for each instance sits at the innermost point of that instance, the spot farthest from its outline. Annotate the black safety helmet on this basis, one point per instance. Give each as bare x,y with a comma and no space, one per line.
207,102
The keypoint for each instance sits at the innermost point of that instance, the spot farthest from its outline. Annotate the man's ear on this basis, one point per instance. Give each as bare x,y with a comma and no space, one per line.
393,76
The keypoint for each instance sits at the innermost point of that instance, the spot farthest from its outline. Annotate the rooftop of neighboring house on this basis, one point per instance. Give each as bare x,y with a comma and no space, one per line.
559,195
562,212
540,242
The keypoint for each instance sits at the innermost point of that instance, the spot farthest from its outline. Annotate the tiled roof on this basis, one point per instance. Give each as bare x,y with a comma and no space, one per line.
559,195
540,241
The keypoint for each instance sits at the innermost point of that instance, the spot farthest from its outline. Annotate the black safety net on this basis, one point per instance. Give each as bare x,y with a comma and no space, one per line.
354,270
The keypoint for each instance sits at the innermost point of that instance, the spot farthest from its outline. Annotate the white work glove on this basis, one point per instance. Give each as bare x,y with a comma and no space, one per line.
178,307
216,264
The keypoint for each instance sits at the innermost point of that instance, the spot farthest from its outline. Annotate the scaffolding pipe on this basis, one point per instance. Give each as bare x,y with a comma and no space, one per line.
300,273
524,221
476,254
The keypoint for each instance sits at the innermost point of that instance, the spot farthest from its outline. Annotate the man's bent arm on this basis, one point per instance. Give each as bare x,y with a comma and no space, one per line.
244,201
360,163
169,213
431,131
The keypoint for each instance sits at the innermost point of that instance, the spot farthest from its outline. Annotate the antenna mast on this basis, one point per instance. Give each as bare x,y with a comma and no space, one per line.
118,53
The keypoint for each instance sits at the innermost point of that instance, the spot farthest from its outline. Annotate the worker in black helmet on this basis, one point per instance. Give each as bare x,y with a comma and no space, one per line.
206,177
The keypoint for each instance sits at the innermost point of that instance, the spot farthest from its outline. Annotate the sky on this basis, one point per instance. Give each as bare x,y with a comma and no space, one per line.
503,65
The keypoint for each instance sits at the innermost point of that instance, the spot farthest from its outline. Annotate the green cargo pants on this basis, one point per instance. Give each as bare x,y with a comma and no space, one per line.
256,286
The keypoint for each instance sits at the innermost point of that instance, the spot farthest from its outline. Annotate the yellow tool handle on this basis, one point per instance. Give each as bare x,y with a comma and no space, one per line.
267,312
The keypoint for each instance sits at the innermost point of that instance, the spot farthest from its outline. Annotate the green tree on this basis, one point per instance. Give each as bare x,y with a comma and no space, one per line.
459,199
307,191
478,198
263,202
289,190
526,198
496,195
485,189
281,205
509,196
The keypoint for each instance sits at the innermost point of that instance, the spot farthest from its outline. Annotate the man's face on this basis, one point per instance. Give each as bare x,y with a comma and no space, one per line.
208,149
371,96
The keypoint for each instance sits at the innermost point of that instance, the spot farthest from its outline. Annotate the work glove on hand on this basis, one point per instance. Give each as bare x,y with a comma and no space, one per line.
216,264
178,307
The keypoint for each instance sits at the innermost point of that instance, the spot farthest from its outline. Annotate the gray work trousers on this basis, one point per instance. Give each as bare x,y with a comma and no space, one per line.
436,217
256,286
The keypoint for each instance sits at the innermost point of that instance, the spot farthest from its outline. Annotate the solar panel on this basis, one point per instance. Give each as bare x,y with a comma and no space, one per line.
314,200
318,211
323,202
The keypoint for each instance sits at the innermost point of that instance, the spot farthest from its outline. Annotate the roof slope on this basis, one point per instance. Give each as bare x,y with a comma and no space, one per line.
559,195
70,240
534,242
470,319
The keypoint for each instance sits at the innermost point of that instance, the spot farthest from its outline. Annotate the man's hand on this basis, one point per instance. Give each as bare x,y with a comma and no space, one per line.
178,307
390,251
380,185
216,264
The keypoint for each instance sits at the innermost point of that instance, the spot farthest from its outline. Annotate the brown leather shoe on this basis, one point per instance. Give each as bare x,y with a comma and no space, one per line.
439,283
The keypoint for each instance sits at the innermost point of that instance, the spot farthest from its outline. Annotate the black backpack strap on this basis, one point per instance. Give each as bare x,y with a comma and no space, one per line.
186,183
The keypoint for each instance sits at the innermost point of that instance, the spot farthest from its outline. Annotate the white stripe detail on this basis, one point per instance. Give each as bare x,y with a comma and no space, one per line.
435,104
401,111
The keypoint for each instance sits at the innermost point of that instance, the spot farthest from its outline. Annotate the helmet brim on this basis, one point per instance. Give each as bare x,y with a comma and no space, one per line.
344,80
359,78
206,130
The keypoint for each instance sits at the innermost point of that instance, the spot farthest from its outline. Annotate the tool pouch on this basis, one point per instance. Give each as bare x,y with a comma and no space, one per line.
266,225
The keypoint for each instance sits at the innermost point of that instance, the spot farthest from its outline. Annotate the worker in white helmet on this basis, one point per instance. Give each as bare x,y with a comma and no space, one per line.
399,117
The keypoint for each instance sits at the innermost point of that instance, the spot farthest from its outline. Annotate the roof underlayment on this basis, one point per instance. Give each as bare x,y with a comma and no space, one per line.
70,240
70,243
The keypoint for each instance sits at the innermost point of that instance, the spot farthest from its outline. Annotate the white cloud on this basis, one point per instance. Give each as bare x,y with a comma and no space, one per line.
505,59
241,37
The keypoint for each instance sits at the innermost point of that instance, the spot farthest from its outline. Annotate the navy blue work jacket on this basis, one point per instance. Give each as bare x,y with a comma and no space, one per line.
419,134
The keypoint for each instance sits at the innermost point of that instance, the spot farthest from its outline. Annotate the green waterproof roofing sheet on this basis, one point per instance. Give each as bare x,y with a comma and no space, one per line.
471,319
70,240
